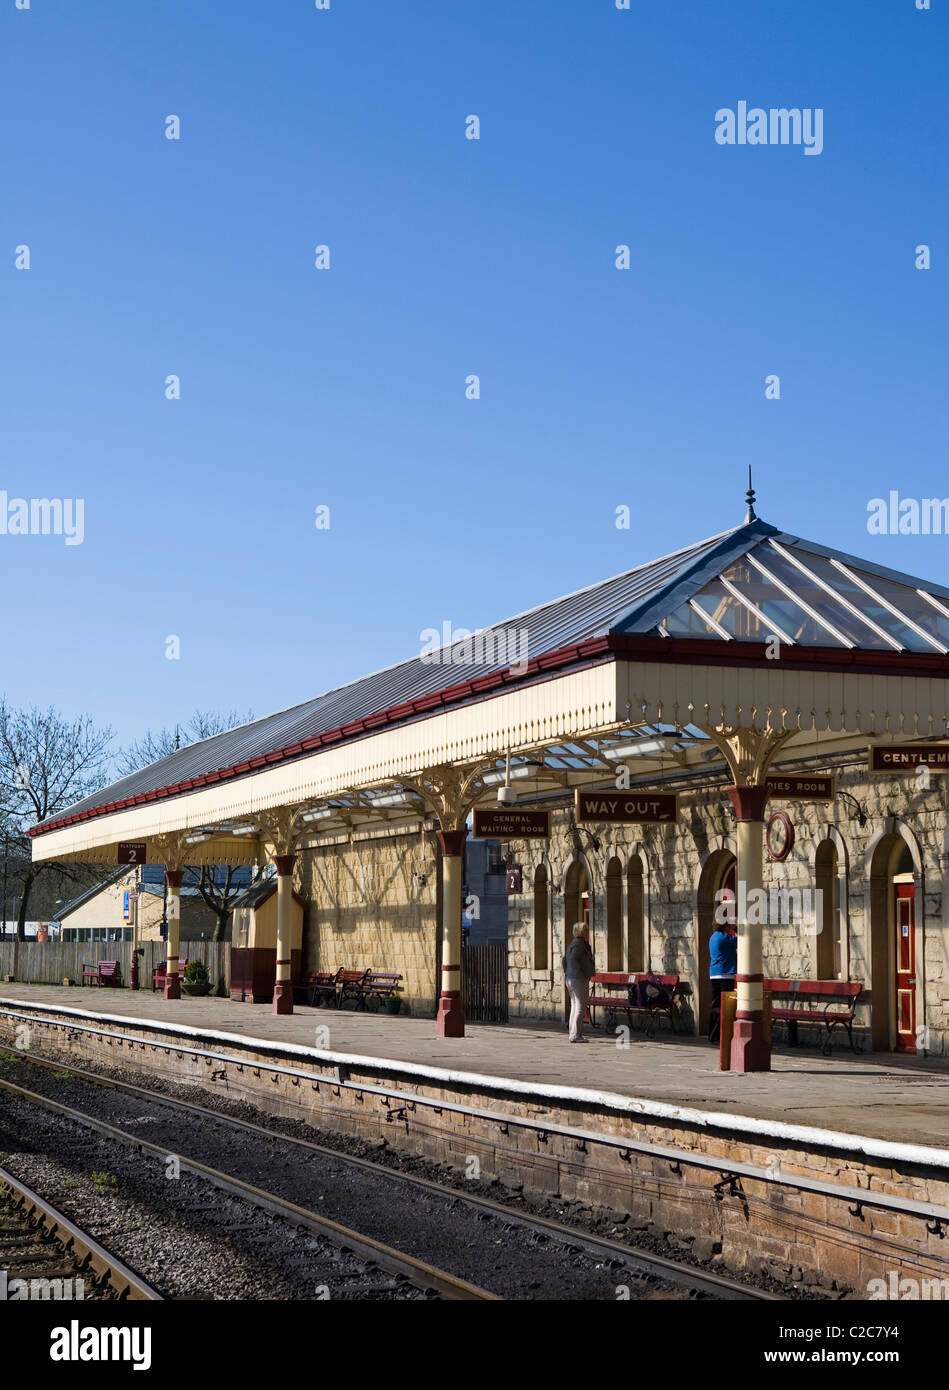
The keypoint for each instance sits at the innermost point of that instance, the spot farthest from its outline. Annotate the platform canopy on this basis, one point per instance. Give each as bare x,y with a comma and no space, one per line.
753,629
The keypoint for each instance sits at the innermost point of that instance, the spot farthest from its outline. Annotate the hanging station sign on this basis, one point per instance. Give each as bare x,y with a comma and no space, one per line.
628,808
818,787
511,824
907,757
131,852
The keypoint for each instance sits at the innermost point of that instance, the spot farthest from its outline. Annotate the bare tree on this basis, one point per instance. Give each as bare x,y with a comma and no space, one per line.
47,763
153,747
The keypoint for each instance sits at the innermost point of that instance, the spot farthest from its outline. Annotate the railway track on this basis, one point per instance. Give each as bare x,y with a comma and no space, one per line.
44,1255
374,1254
639,1263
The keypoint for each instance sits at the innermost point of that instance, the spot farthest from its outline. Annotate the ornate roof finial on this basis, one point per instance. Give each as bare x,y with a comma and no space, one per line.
750,515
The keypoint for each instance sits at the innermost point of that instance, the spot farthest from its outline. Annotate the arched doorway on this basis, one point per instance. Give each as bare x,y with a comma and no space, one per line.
614,915
894,905
718,872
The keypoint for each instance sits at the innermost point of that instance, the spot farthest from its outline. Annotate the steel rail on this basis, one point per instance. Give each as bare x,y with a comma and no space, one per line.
859,1197
636,1258
418,1272
77,1244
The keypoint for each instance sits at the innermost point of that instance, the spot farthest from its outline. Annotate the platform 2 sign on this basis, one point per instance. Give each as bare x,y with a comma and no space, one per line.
131,852
626,808
502,824
801,788
907,757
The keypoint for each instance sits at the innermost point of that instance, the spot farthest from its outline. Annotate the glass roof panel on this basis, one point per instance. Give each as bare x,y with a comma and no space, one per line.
911,604
907,600
817,598
750,607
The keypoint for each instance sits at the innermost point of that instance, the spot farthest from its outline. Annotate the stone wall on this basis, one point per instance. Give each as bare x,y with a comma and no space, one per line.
367,907
678,861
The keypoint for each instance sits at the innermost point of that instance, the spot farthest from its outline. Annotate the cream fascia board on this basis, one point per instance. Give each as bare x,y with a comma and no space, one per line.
767,695
565,706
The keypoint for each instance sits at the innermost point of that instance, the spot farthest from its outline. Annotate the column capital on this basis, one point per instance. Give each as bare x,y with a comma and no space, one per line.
173,877
452,841
749,802
284,863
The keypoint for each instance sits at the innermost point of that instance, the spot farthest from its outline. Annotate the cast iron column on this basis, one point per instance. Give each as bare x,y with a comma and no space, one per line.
451,1011
172,983
283,985
750,1049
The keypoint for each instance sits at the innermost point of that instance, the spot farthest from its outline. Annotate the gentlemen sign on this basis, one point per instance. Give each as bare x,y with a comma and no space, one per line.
801,788
502,824
626,807
131,852
906,757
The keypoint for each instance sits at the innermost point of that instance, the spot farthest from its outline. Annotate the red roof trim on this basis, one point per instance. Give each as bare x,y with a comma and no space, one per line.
666,650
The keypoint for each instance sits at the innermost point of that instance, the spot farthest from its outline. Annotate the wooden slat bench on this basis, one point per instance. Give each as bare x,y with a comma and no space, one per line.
351,984
381,985
827,1003
625,998
321,987
104,972
160,973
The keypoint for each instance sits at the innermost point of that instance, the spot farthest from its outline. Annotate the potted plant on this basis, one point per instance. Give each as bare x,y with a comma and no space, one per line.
394,1001
196,979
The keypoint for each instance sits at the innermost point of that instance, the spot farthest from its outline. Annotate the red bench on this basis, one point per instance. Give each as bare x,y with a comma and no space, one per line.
828,1003
626,997
320,985
351,984
160,973
104,972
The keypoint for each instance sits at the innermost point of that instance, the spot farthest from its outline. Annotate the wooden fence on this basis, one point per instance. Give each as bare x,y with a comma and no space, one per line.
50,962
484,982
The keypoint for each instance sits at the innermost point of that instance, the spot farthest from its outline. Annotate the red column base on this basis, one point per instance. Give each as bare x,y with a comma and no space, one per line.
451,1015
750,1048
283,997
133,971
172,987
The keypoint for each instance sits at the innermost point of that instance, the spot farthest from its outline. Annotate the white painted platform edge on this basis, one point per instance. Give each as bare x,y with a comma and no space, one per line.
612,1100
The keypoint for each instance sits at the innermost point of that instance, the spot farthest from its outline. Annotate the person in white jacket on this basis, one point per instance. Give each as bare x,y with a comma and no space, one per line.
578,968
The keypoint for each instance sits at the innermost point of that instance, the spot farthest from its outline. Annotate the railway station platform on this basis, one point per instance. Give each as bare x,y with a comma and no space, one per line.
831,1169
881,1096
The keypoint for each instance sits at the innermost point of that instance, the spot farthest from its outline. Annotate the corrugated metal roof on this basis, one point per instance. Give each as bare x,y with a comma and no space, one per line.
630,603
589,612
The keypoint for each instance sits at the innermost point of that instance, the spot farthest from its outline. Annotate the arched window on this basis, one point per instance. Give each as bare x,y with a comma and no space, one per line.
614,915
541,919
828,954
635,917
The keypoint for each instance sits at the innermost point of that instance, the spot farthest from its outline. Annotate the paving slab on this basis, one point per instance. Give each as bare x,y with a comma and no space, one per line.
878,1095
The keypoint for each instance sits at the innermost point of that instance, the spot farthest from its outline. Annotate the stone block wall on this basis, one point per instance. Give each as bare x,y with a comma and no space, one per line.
367,907
673,859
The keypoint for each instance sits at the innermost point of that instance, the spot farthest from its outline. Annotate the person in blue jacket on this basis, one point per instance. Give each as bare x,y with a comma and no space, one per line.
722,968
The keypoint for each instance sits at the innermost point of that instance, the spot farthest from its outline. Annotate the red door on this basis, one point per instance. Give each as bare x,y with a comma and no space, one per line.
905,967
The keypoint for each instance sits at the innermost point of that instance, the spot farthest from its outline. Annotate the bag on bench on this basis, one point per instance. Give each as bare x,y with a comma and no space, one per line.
651,993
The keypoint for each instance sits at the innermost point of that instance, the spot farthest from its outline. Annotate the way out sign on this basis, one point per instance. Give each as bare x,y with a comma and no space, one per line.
626,808
131,852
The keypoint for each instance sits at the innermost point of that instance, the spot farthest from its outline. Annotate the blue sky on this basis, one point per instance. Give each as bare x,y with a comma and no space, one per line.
449,256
